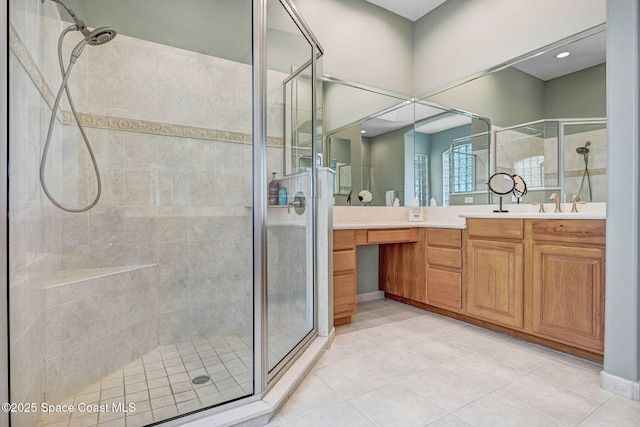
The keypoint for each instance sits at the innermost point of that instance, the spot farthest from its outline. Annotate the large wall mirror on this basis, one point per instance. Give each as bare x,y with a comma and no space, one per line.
548,111
404,152
539,116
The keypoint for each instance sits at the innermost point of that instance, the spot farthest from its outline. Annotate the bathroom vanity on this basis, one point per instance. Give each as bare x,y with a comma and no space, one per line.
537,277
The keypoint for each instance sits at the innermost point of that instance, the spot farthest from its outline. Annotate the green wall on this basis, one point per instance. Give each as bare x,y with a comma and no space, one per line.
581,94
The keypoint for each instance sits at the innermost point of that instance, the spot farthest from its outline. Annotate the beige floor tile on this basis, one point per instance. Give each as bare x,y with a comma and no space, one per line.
138,420
582,381
497,411
444,387
550,398
483,370
580,363
625,404
119,422
465,338
367,306
163,413
514,356
609,415
84,421
361,343
395,333
341,414
333,355
189,406
397,405
425,326
274,422
311,395
449,421
353,377
435,351
398,362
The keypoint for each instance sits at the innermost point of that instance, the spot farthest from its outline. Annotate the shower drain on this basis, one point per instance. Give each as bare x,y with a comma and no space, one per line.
201,379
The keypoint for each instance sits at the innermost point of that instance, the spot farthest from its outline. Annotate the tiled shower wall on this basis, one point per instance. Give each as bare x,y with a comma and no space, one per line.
597,163
171,131
34,224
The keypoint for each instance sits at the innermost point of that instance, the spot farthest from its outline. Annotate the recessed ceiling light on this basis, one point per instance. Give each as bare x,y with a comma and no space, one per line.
563,55
363,131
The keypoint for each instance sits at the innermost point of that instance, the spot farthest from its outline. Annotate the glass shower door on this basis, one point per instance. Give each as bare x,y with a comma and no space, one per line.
290,220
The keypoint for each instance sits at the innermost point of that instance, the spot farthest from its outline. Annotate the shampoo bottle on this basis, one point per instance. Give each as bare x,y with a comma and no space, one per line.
282,197
273,190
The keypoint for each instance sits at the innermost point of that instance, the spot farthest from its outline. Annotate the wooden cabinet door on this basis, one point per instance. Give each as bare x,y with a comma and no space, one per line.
495,281
402,270
344,295
444,289
568,294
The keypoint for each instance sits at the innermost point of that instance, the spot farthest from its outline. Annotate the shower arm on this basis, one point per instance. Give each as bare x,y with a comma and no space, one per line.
79,22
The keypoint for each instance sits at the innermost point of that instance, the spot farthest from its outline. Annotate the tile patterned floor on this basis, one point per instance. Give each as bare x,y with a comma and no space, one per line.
396,365
159,383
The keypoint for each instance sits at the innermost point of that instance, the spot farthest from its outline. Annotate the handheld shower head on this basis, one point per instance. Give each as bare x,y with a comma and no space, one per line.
99,36
96,37
583,150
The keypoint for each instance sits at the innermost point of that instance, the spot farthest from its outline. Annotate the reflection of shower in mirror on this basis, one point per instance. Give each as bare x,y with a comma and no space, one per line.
584,151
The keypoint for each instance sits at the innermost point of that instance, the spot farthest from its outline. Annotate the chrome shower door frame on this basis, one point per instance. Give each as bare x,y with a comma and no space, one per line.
4,271
262,378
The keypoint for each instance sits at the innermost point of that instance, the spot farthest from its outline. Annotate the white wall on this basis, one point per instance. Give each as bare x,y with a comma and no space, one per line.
362,42
462,37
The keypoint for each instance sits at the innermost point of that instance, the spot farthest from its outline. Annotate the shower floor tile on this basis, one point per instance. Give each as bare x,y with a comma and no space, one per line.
159,384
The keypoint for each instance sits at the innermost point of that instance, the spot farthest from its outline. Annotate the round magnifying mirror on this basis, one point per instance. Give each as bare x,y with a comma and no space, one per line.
520,187
501,183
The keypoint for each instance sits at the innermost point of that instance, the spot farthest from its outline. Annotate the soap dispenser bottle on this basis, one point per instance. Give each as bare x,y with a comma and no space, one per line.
273,189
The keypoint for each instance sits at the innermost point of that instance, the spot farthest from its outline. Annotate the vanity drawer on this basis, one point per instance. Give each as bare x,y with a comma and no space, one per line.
495,228
344,260
444,288
344,239
444,237
572,230
445,257
403,235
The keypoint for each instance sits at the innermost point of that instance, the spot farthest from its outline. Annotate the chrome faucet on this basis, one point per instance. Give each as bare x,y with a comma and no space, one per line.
556,199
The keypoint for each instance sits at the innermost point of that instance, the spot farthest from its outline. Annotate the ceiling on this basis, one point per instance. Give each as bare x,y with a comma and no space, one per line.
408,113
410,9
584,53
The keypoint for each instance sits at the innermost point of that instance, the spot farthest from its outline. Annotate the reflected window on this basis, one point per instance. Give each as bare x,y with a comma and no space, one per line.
457,171
531,169
421,182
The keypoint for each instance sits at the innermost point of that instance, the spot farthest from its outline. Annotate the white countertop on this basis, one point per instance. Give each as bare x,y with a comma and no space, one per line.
535,215
397,224
345,218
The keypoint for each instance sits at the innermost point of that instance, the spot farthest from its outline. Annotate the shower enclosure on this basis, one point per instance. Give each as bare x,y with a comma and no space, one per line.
182,289
566,156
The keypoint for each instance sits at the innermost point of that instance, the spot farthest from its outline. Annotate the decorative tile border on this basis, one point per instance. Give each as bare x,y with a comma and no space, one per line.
567,174
21,52
578,173
120,123
165,129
